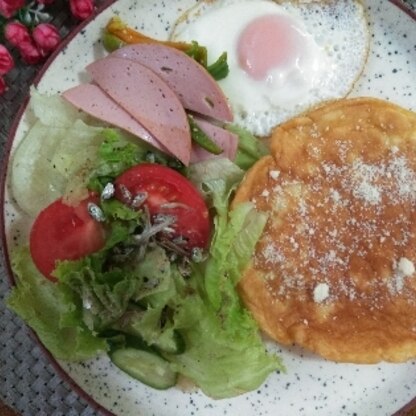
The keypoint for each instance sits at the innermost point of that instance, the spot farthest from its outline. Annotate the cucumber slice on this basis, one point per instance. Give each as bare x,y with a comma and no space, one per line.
147,367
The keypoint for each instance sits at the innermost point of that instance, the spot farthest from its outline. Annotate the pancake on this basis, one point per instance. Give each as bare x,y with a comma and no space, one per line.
334,270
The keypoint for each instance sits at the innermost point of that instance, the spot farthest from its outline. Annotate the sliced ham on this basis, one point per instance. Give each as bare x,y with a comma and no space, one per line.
223,138
94,101
195,87
148,99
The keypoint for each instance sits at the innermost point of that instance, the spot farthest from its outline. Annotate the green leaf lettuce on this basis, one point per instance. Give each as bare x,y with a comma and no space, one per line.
52,312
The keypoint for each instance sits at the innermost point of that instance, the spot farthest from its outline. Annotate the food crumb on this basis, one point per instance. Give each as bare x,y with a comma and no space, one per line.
406,267
274,174
321,292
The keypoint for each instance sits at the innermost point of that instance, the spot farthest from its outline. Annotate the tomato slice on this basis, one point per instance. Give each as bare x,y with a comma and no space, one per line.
64,232
171,194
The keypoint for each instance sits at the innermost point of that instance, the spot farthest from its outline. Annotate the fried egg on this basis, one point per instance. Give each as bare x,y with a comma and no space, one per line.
284,58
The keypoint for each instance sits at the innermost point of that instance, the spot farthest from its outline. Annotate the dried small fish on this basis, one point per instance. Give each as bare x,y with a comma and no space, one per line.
198,255
175,249
126,194
162,222
180,240
121,254
173,205
184,267
139,199
108,191
164,219
95,212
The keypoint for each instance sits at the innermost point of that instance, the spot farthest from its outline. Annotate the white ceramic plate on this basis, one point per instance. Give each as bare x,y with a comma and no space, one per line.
312,386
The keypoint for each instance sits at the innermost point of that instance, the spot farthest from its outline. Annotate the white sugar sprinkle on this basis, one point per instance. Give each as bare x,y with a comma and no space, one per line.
272,254
368,193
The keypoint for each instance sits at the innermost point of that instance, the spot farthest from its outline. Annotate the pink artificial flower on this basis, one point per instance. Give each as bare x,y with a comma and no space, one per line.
46,37
81,9
9,7
30,52
6,60
16,33
3,86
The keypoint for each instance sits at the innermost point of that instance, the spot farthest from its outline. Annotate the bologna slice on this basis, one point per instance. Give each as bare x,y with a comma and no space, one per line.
195,87
94,101
148,99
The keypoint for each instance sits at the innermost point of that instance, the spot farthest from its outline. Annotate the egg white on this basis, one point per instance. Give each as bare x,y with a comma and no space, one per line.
335,37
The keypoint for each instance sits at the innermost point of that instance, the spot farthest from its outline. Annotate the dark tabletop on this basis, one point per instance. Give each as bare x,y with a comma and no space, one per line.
29,385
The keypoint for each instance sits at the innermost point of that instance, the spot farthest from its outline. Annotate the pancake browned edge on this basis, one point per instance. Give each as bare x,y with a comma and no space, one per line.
334,270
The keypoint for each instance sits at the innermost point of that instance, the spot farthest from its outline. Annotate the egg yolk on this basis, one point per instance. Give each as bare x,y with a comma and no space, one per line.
269,42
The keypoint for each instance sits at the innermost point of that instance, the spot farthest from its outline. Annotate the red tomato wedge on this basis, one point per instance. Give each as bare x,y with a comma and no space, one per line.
64,232
171,194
